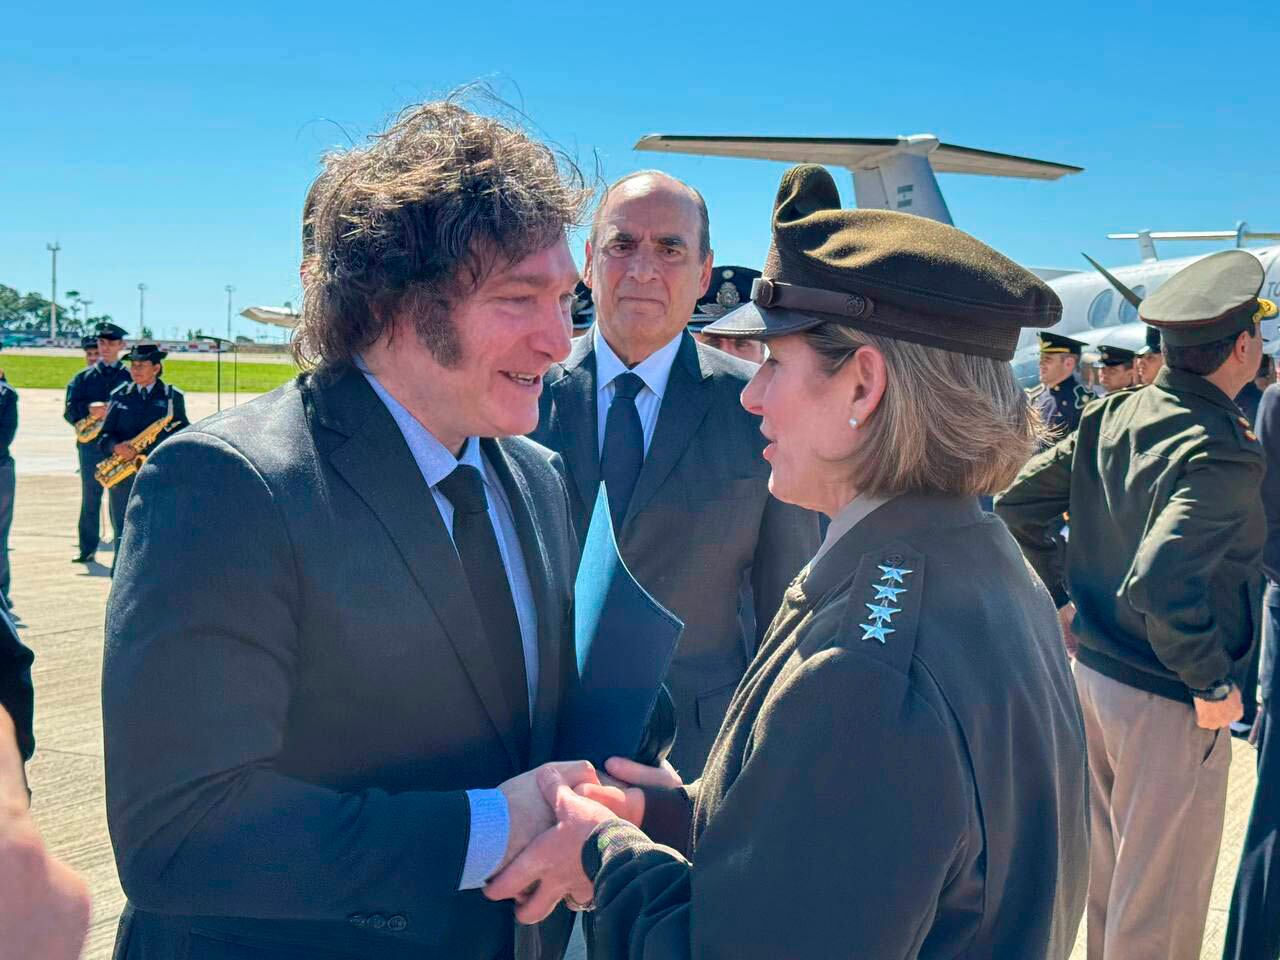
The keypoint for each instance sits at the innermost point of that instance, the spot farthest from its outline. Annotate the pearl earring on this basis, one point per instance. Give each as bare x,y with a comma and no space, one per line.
853,422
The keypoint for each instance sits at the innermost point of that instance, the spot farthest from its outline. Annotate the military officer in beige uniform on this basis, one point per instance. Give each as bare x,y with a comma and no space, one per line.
1164,596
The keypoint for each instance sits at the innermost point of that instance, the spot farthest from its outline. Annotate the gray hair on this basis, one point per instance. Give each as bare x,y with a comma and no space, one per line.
948,422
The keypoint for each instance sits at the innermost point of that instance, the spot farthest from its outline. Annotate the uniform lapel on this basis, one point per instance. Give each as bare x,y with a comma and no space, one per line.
574,396
684,405
538,566
375,460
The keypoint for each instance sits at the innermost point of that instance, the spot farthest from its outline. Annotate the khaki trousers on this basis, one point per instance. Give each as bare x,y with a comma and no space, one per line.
1157,799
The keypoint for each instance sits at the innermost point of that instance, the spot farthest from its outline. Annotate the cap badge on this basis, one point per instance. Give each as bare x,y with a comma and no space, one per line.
855,305
727,295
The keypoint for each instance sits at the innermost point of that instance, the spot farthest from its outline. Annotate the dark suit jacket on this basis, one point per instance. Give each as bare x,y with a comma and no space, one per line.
295,692
702,533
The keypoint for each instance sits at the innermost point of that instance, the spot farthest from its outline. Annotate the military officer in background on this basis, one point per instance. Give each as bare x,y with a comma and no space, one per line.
1162,589
90,347
730,287
134,407
1148,359
1115,368
1061,395
87,396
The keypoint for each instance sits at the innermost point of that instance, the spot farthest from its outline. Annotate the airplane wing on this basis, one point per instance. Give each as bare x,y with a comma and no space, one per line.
857,153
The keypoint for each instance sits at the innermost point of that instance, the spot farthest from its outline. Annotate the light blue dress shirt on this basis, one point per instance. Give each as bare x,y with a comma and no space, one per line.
490,819
654,370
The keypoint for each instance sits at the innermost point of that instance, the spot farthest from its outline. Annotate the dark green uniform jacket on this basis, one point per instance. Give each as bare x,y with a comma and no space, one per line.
901,772
1166,533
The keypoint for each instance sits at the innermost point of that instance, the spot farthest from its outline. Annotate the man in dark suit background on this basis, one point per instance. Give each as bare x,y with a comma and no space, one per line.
323,744
655,415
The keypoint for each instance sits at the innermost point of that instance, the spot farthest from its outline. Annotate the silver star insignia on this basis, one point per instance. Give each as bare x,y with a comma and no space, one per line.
875,631
886,592
882,612
892,574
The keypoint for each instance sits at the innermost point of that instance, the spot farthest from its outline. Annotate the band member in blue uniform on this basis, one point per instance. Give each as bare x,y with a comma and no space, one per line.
134,407
90,347
87,396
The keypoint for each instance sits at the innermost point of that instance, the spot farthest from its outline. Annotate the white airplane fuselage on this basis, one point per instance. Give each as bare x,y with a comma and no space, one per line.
1090,303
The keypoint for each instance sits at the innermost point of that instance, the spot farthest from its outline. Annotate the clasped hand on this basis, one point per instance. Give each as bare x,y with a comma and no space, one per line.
575,800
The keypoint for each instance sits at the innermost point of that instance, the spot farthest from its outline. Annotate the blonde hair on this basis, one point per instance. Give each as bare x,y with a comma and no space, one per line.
948,422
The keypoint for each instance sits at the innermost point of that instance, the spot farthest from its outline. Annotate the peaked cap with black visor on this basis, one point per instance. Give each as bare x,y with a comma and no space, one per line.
890,274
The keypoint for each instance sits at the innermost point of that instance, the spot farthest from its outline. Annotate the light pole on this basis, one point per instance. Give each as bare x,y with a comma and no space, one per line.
85,303
142,303
230,290
53,248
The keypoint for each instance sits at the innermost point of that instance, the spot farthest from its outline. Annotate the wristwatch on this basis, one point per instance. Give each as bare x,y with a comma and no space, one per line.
1215,692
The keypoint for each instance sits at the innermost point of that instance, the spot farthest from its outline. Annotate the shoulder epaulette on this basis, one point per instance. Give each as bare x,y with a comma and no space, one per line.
884,605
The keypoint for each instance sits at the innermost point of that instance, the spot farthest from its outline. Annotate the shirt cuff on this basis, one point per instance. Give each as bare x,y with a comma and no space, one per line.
490,828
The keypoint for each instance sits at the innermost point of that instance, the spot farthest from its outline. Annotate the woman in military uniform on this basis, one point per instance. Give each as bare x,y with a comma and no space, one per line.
901,772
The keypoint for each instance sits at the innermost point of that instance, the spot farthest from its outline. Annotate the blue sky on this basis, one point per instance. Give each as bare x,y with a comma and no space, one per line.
173,144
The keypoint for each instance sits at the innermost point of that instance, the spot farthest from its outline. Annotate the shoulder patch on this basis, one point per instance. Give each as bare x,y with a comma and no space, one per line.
884,605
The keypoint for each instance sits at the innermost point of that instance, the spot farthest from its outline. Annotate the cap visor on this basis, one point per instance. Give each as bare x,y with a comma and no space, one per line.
753,322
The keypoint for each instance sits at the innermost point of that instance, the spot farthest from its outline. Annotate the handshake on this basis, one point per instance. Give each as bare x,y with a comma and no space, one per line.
553,810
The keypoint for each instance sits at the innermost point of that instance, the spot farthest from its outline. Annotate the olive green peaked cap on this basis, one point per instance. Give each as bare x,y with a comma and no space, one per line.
1212,299
891,274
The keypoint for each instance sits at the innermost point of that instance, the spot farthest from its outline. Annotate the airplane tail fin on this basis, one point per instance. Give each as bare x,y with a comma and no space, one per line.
888,174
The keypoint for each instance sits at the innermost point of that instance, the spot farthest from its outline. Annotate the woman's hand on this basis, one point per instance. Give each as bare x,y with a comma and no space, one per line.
550,869
620,790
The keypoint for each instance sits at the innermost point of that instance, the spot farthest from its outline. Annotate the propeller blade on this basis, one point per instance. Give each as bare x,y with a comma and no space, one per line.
1124,291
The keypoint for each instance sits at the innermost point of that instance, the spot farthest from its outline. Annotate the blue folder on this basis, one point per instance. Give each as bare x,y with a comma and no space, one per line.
625,640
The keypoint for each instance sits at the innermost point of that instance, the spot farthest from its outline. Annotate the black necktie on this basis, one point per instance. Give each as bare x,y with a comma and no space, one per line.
477,544
623,453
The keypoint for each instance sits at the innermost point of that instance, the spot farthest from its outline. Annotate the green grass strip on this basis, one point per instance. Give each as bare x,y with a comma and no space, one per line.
193,376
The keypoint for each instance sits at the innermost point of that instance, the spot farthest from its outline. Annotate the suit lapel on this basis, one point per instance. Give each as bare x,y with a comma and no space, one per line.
574,396
538,566
375,460
684,405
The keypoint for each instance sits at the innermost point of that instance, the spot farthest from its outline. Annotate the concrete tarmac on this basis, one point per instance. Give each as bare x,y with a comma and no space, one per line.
61,605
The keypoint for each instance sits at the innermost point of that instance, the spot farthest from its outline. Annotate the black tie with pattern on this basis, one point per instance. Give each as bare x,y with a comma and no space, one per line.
623,453
477,544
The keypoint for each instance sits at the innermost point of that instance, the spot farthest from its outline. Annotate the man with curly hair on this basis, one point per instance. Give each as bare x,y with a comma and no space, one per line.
326,750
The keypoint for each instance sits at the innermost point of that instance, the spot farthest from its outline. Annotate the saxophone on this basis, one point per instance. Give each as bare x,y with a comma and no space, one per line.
87,430
116,469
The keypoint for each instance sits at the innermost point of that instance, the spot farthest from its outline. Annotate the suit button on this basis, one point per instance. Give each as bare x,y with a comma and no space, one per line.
377,921
397,923
357,919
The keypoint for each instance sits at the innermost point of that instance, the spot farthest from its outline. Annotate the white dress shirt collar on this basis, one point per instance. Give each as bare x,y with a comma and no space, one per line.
654,370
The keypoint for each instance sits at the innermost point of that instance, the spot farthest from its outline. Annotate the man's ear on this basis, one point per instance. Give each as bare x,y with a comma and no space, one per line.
706,272
586,268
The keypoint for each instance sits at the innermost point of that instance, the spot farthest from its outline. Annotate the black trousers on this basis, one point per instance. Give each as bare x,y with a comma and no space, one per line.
1253,926
90,498
117,501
